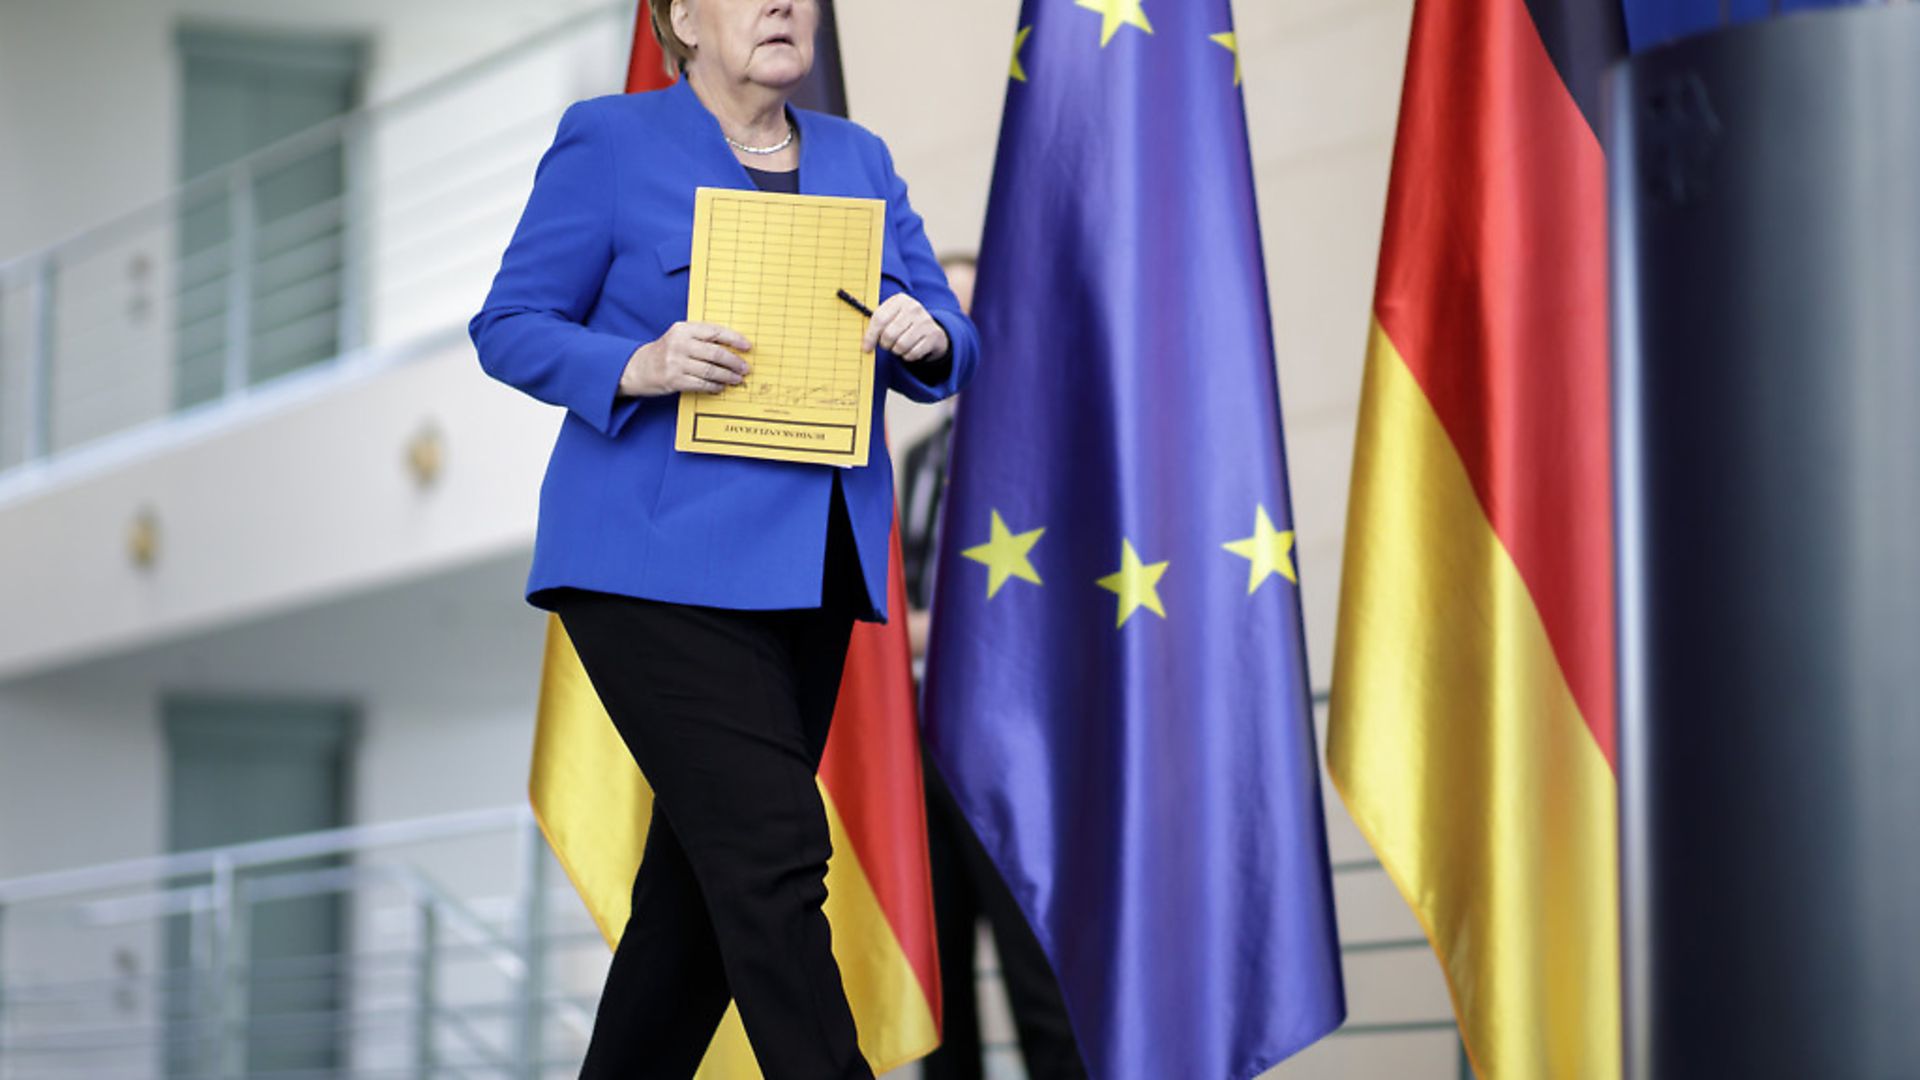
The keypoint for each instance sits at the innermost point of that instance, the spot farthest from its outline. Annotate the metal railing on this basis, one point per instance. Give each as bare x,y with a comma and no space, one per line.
393,1017
439,982
346,242
444,985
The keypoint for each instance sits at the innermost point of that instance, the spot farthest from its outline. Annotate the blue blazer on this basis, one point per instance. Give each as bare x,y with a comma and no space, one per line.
598,267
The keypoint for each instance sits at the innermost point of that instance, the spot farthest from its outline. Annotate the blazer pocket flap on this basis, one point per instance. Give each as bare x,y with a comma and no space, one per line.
675,253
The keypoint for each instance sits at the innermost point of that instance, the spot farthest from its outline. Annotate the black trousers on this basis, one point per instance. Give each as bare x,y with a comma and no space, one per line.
726,713
966,888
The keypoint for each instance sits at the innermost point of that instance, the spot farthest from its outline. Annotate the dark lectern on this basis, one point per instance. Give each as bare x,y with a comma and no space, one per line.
1766,246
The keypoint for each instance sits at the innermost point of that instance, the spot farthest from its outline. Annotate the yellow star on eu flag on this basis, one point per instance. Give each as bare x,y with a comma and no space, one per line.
1135,583
1231,43
1020,42
1005,555
1117,13
1269,550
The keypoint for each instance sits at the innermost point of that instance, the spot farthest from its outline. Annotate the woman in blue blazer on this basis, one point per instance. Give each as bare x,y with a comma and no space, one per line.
710,598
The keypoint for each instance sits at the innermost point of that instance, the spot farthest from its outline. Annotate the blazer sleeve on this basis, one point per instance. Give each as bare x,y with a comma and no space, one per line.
931,380
530,333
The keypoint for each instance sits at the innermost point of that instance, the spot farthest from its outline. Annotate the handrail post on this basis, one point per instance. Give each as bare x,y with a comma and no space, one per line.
39,435
230,970
355,210
201,991
533,921
240,242
3,990
425,996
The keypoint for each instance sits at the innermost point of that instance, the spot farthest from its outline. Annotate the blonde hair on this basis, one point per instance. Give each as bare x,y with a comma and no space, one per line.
677,53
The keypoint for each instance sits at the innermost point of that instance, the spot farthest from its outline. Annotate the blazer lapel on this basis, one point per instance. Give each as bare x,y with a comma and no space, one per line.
706,144
823,172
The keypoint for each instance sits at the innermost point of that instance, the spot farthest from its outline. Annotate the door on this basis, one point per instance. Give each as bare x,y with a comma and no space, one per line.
261,257
243,770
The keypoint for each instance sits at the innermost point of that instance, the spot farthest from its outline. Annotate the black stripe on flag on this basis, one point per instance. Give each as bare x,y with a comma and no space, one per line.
1582,37
825,89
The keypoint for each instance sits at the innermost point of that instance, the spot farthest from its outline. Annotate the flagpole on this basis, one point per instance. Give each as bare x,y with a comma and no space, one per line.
1767,410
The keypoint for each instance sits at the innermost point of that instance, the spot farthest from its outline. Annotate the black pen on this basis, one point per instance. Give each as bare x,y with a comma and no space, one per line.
854,302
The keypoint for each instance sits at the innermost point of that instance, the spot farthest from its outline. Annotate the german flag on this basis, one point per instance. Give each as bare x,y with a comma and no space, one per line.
1472,731
593,804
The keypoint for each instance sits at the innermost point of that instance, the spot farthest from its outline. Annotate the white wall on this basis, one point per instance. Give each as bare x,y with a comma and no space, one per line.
441,670
77,783
78,787
312,498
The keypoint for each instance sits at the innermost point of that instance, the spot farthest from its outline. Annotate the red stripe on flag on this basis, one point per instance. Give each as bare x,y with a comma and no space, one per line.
872,767
647,64
1493,286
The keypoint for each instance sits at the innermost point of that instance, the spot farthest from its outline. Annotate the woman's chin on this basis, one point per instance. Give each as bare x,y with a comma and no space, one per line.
779,72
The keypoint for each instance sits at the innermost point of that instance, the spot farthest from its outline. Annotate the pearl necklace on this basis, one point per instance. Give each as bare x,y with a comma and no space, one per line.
762,150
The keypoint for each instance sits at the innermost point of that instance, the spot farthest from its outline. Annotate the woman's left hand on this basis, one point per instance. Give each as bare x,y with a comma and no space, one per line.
903,327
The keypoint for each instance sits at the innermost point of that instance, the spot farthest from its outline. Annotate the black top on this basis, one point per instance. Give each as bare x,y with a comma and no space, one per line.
925,467
784,183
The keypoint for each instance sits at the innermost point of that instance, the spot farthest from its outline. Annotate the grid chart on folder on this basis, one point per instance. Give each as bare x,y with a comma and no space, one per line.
770,286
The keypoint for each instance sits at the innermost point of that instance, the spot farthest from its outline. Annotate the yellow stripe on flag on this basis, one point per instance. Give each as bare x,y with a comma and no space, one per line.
593,805
1459,751
588,795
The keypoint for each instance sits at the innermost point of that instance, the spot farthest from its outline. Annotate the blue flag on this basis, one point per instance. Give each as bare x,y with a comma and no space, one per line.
1117,687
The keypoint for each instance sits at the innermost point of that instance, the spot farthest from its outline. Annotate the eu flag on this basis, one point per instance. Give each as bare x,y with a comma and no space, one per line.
1117,685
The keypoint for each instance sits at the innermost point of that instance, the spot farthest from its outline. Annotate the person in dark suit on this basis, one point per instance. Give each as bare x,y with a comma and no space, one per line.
967,887
709,598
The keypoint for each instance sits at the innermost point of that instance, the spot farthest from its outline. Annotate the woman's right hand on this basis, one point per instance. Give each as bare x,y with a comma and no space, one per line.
699,357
